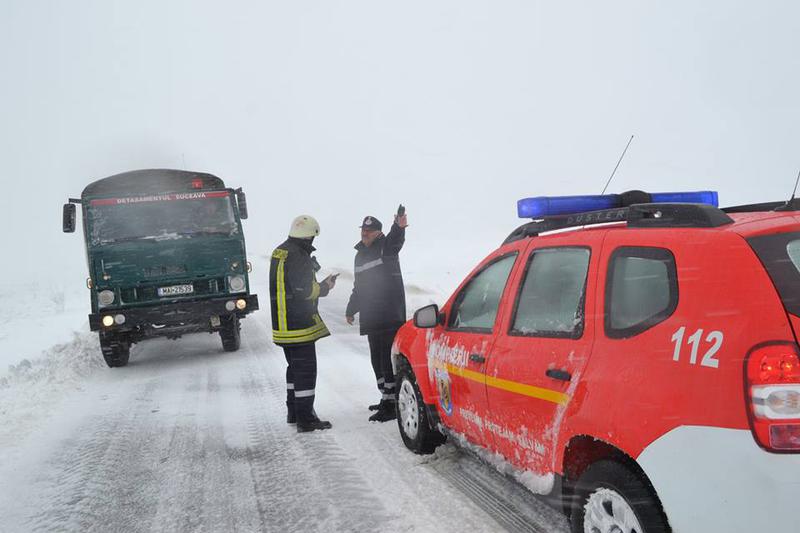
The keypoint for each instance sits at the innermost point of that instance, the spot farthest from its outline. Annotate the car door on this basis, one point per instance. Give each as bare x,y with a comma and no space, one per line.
544,343
458,351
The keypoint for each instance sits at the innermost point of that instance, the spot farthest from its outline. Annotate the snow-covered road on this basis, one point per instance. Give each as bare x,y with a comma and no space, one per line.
189,438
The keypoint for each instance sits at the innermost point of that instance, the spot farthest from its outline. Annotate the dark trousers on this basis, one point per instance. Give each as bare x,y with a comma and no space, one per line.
301,380
380,350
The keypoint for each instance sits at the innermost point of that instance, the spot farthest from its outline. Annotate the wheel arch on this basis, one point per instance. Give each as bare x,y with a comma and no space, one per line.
399,359
584,450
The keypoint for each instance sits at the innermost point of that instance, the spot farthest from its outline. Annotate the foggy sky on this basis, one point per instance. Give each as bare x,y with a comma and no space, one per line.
341,109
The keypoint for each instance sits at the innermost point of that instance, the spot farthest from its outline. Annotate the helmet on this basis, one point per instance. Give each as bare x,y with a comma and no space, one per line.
304,227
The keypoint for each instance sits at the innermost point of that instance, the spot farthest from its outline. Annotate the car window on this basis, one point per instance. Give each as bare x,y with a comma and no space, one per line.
780,254
550,302
641,290
476,306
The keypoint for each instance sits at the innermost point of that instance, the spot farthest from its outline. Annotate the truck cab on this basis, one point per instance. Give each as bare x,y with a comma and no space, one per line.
166,256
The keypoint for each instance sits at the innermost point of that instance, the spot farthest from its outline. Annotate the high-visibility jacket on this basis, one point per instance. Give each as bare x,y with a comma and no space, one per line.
294,292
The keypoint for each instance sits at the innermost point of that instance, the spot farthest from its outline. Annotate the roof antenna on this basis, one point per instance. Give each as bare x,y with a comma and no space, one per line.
616,167
788,205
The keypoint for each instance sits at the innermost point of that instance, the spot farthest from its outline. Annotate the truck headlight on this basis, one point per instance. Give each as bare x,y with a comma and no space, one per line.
236,283
105,297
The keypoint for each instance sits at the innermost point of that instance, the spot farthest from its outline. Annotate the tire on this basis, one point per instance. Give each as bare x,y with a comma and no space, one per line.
412,416
116,350
605,491
230,333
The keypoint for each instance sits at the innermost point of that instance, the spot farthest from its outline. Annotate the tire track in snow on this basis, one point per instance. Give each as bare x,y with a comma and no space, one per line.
286,496
512,505
343,499
97,485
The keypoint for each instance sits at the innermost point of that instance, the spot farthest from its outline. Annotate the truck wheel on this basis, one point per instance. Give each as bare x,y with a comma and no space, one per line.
116,349
412,416
230,333
612,497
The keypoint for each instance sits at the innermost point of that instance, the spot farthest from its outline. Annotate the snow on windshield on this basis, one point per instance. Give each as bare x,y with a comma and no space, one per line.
160,216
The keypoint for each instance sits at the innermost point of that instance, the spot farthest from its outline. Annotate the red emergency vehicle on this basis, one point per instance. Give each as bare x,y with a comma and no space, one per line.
633,355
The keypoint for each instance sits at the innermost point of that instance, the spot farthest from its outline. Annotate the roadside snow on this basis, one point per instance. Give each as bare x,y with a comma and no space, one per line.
187,437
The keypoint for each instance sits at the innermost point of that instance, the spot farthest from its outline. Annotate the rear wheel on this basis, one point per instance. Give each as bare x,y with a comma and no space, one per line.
116,349
412,416
611,497
230,333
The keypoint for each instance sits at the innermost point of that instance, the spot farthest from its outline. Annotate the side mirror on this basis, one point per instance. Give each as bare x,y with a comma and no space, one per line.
68,219
241,201
427,317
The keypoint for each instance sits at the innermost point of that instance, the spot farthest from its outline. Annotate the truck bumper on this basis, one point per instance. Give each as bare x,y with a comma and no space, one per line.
185,316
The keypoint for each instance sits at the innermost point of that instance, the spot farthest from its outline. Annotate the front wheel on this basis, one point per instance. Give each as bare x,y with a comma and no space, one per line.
612,497
412,417
230,333
116,349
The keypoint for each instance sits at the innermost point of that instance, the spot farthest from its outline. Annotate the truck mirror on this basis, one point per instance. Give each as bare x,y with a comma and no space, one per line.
241,201
68,221
427,317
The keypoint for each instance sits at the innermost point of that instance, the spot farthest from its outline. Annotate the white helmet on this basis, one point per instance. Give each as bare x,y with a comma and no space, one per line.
304,227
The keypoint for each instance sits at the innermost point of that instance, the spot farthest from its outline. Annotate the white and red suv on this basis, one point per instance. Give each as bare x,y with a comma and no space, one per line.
640,363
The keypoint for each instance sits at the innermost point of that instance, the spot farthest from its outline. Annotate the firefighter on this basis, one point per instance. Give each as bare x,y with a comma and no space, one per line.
296,324
379,298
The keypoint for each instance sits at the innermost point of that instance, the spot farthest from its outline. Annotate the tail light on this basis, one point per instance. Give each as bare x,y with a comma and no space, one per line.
772,383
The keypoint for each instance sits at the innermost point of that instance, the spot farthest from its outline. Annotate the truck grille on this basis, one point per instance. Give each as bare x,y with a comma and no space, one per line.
148,293
164,270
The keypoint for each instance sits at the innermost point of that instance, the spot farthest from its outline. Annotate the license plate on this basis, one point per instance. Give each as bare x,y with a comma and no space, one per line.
175,290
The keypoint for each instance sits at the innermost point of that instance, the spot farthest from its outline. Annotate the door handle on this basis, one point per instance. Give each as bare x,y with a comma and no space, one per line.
561,375
477,358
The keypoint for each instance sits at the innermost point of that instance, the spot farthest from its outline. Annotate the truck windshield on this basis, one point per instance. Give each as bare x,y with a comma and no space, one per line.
159,217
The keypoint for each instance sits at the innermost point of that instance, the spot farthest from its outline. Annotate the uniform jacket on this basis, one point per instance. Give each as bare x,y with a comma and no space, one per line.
378,293
294,292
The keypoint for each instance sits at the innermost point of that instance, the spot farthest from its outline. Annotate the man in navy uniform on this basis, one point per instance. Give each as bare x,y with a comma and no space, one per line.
296,324
379,299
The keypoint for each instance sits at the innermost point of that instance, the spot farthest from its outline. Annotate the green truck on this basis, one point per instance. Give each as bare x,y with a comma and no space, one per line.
166,257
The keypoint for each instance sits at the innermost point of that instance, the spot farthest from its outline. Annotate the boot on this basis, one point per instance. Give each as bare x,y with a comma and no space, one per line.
291,418
385,412
304,426
374,407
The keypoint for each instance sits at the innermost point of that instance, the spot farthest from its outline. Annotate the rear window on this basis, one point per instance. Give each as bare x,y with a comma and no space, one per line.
641,290
780,255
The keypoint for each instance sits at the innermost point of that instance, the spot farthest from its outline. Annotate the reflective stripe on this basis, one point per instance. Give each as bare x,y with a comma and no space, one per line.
548,395
290,386
314,290
294,333
281,256
387,397
367,266
294,336
389,385
381,380
300,340
304,393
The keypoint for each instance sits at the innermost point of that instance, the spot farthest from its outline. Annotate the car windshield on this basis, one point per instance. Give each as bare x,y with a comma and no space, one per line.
160,217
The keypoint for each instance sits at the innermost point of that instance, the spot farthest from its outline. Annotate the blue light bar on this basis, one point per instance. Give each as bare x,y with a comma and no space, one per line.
544,206
699,197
